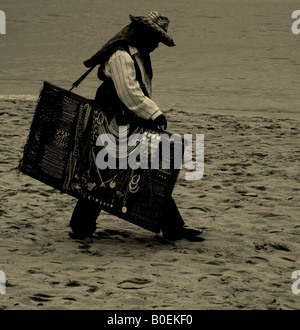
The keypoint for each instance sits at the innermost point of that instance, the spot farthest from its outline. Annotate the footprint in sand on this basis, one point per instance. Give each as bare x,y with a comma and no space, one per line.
115,234
203,209
73,284
279,246
41,297
133,283
271,245
92,289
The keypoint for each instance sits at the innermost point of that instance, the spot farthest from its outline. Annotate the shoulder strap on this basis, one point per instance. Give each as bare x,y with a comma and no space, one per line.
81,78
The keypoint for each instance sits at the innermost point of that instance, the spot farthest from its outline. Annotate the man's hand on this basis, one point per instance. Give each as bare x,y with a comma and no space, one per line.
161,122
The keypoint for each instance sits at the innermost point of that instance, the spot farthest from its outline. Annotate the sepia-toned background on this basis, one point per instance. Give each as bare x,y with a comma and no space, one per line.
234,77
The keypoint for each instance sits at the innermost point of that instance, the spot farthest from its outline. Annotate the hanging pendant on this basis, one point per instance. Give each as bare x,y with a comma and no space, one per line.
124,209
112,184
135,179
134,188
91,186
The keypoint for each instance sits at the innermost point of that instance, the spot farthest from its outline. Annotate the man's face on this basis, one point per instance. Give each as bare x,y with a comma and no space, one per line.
150,42
152,45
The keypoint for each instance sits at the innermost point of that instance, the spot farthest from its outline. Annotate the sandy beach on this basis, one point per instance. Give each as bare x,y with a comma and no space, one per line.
247,205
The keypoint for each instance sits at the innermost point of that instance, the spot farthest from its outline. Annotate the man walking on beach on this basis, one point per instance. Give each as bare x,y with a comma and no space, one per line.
126,72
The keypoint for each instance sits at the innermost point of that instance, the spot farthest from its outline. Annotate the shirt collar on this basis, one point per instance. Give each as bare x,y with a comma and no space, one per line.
133,50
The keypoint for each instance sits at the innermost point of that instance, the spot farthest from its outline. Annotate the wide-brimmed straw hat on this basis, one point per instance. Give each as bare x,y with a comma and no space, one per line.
158,23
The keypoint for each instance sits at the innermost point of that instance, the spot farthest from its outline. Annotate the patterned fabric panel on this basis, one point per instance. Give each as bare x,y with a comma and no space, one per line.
61,152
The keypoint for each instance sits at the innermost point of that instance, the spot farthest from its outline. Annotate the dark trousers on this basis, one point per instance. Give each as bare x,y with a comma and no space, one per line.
86,212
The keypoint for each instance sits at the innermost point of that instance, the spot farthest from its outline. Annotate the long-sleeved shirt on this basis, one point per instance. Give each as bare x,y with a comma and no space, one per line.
120,68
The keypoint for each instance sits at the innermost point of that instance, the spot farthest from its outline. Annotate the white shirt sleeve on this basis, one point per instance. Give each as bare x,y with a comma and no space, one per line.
120,68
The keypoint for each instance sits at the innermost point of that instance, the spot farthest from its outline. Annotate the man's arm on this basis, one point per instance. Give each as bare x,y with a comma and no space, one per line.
120,68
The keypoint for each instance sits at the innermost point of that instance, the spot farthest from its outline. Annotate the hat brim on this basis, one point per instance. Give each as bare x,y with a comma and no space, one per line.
163,36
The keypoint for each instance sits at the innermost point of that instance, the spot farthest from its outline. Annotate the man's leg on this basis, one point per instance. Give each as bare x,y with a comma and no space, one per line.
171,222
83,221
173,226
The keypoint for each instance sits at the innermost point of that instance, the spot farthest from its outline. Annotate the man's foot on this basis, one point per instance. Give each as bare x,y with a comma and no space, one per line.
187,233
